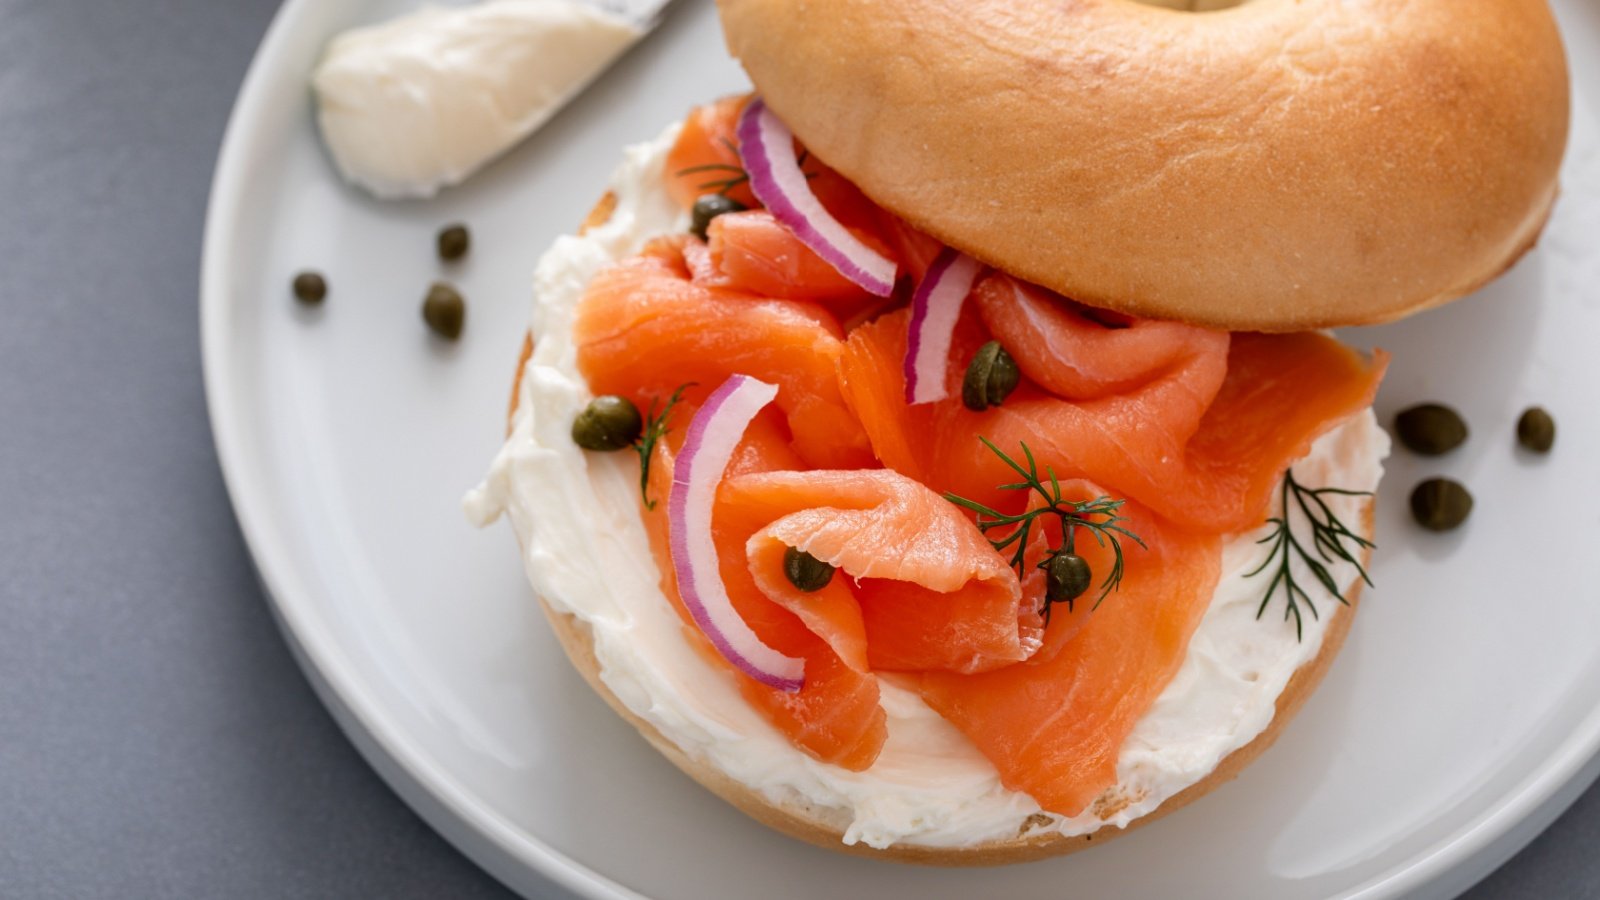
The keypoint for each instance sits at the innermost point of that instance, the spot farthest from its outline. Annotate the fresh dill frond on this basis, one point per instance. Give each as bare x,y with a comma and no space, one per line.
655,428
736,174
1099,516
1328,539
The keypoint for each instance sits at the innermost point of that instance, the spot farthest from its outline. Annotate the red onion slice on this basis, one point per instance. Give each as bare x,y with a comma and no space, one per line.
935,309
713,434
767,146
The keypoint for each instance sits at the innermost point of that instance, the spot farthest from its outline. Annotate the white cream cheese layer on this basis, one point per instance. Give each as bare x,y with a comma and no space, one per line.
577,517
421,102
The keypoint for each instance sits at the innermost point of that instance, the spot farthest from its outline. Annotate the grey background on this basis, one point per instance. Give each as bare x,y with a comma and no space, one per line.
156,738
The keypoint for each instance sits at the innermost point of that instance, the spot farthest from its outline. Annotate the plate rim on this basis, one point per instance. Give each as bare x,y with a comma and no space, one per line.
488,840
483,836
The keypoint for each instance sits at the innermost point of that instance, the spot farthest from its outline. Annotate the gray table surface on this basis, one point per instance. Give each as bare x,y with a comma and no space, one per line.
156,738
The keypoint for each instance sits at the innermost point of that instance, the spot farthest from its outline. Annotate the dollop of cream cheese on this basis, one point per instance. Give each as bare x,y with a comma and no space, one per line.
587,554
423,101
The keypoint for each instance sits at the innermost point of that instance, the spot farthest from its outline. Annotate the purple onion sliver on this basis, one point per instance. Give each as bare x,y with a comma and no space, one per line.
919,319
935,310
767,147
713,434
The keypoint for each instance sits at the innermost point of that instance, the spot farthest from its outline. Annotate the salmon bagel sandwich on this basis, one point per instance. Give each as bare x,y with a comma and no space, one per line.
935,454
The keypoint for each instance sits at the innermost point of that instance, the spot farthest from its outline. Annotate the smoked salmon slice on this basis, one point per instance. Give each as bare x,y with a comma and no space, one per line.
1068,352
933,593
1054,727
1200,435
919,589
706,154
1066,619
705,159
750,251
644,328
836,716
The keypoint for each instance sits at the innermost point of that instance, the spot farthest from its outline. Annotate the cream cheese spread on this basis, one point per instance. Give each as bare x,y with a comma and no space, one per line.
422,101
576,515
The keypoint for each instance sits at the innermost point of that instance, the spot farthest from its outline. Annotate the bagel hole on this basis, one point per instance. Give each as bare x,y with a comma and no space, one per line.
1194,5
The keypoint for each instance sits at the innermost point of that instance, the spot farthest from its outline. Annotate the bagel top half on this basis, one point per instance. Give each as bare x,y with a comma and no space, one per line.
1278,165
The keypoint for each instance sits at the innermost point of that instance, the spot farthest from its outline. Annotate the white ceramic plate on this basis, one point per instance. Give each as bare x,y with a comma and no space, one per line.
1461,717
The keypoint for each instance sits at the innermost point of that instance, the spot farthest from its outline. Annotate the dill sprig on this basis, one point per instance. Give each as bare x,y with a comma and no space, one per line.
1099,516
655,428
736,175
1328,537
721,185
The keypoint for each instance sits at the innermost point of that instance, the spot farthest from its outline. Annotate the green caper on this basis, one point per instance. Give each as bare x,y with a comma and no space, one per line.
454,241
1430,429
1440,504
806,572
1536,430
310,288
444,310
609,422
1067,576
708,207
991,378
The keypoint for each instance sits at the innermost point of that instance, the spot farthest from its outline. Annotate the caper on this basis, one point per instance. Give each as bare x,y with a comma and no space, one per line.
1440,504
609,422
1067,576
310,288
805,571
991,378
708,207
454,242
444,310
1430,429
1536,430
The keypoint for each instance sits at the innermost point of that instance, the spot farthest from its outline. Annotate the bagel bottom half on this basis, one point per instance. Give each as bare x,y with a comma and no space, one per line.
810,826
824,830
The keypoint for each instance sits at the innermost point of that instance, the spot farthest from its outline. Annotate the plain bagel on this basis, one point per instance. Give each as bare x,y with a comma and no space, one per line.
1278,165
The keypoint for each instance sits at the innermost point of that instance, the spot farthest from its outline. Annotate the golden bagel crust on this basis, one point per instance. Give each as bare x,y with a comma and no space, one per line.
1278,166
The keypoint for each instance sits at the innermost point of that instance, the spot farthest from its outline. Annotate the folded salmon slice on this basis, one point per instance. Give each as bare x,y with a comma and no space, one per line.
1053,727
751,251
919,588
932,592
836,716
1067,618
1081,354
1193,424
644,328
705,159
